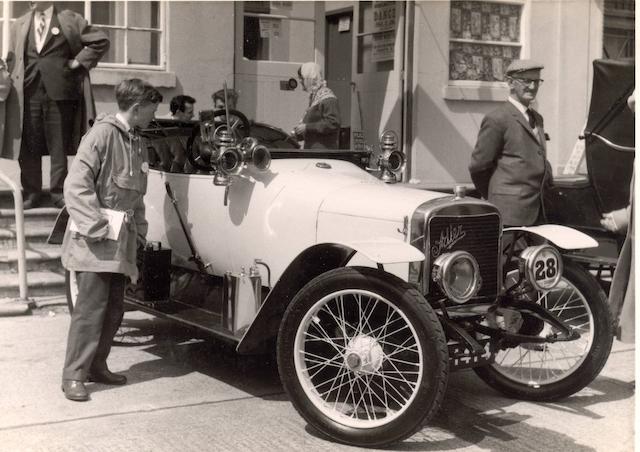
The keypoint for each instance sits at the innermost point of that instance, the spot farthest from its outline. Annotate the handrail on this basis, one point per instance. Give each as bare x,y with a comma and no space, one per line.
20,238
617,147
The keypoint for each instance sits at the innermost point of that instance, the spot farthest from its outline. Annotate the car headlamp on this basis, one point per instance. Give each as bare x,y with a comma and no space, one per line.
458,275
542,266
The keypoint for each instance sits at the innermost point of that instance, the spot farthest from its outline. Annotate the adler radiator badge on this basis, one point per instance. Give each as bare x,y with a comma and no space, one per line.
449,236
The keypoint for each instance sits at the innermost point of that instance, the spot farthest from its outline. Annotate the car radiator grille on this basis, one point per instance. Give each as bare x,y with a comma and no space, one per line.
479,235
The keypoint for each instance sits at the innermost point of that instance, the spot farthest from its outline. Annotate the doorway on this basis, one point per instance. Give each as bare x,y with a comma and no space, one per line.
338,48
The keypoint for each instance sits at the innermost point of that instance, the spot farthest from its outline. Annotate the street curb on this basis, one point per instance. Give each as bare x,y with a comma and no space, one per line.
15,307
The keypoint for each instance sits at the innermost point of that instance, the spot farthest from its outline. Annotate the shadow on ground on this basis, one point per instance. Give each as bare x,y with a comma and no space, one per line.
181,350
471,414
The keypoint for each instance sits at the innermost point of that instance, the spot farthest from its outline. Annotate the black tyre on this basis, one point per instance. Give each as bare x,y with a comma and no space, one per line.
126,336
362,356
551,371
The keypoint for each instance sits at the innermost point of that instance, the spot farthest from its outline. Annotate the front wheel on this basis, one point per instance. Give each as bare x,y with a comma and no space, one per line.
362,356
550,371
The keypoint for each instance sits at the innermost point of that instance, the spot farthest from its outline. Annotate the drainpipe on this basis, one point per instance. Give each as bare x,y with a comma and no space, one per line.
407,88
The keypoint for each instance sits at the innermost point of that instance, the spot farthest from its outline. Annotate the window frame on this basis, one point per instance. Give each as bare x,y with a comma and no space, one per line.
480,90
283,17
7,20
618,23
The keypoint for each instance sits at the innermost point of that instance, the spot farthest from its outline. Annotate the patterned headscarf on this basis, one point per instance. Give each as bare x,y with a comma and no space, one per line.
311,73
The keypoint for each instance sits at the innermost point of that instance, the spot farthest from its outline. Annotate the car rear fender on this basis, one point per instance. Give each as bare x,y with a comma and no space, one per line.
309,264
562,236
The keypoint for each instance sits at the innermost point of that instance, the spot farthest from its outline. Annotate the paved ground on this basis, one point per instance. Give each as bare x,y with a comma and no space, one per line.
187,394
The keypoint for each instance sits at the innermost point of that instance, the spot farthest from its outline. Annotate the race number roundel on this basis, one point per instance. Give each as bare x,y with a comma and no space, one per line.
546,268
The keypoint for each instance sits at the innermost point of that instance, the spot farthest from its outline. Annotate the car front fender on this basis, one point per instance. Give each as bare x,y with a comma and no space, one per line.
310,264
562,236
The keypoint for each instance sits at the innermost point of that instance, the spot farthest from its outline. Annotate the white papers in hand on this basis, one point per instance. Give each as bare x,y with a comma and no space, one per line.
115,218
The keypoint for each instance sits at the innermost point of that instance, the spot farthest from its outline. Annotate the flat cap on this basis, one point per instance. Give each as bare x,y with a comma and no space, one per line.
517,66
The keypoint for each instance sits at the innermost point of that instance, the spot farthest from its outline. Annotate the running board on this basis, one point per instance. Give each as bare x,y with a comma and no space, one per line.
201,319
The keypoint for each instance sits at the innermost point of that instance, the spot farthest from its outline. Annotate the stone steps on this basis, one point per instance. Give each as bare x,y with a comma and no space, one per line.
34,234
45,274
33,218
39,257
40,284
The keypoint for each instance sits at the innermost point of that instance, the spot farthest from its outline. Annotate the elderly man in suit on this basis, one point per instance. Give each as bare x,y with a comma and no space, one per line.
508,164
51,53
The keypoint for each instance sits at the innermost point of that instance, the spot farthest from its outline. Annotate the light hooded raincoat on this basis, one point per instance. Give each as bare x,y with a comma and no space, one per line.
109,171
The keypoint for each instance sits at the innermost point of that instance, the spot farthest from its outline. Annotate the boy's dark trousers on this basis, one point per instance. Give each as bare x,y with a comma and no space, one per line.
95,320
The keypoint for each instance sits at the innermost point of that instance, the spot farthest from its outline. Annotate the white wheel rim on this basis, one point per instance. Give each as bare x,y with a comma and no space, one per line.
73,287
546,363
360,374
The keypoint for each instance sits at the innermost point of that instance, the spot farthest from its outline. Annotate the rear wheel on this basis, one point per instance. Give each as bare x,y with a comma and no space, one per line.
362,356
550,371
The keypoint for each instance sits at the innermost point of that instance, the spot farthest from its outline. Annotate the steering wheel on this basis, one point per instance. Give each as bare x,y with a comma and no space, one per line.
239,125
198,153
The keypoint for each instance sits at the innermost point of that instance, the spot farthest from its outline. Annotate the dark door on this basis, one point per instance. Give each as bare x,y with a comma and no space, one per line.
338,67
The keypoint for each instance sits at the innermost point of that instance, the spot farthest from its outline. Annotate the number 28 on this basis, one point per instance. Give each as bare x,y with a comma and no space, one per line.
546,269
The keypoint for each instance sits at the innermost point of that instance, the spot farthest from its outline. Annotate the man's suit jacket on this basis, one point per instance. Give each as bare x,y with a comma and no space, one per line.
509,166
87,43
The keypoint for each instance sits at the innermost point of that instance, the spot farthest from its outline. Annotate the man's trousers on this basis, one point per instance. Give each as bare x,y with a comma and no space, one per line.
47,128
95,320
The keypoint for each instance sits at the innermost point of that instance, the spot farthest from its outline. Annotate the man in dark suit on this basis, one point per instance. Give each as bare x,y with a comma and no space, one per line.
508,164
50,55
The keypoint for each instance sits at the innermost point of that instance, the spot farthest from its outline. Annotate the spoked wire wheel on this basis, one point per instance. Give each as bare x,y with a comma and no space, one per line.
551,370
366,366
365,369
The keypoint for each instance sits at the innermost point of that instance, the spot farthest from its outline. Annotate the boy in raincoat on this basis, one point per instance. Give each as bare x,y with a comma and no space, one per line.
108,172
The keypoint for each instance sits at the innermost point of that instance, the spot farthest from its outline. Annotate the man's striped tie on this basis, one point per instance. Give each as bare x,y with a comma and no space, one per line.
41,24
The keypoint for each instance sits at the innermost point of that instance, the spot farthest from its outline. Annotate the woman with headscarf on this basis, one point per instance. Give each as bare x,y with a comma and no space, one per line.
320,126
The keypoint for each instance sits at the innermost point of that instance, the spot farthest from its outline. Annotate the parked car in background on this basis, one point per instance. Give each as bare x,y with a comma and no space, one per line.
370,292
579,200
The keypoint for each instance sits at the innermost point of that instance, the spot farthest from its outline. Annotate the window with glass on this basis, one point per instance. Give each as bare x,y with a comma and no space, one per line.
279,31
619,40
484,37
376,38
135,28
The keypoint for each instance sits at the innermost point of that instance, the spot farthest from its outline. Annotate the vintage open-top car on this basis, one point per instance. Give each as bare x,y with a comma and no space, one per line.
371,292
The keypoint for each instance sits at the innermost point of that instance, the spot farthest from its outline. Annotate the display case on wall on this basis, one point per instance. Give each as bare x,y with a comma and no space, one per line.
484,38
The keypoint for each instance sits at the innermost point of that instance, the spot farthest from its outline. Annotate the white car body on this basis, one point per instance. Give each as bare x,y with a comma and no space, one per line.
276,215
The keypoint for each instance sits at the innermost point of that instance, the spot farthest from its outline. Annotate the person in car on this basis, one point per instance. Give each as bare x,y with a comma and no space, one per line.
508,164
108,178
169,153
181,107
320,125
218,99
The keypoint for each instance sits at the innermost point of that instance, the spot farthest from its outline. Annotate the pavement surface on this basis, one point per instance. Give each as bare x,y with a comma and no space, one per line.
192,394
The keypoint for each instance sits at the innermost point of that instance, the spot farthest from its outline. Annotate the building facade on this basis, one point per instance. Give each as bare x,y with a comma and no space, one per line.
429,70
